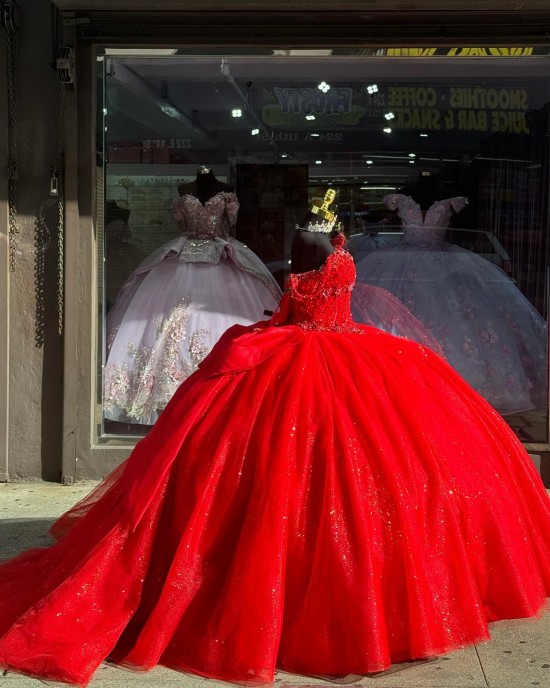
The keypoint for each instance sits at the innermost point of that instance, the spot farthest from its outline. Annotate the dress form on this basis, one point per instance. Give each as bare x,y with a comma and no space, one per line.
424,191
205,185
309,250
311,247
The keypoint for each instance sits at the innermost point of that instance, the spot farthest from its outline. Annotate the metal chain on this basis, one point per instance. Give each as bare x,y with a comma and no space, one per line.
59,174
13,134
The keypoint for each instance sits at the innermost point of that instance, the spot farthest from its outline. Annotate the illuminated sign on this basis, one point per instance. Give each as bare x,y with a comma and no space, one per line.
461,52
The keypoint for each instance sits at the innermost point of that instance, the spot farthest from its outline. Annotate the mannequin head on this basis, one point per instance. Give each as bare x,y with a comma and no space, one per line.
425,190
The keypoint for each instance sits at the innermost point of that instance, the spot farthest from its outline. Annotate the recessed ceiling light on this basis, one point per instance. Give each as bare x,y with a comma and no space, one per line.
412,155
310,117
323,86
424,136
255,132
389,115
369,162
387,130
236,113
372,88
318,162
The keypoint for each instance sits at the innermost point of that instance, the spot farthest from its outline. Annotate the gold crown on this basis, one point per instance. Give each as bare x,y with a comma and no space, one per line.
323,209
329,217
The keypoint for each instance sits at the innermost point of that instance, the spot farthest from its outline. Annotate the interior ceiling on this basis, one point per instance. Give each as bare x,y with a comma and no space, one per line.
191,99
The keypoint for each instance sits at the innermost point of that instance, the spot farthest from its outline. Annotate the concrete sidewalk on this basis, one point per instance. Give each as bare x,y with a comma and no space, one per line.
518,656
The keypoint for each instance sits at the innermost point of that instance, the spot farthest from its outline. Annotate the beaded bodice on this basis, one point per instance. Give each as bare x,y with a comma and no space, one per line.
428,230
320,299
213,219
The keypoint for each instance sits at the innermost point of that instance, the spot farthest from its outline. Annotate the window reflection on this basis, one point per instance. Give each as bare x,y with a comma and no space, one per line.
472,277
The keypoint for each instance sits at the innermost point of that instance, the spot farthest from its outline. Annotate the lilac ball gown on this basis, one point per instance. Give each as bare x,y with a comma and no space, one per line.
489,331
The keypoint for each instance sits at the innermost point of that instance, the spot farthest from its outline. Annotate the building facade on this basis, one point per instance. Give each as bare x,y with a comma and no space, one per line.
109,107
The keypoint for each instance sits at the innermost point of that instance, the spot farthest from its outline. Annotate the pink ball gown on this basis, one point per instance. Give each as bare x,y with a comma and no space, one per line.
177,304
320,497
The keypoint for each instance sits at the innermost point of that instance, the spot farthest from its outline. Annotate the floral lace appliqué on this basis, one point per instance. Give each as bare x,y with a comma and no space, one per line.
143,389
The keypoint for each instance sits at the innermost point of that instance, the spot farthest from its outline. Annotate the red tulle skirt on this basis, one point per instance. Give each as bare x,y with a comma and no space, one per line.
322,502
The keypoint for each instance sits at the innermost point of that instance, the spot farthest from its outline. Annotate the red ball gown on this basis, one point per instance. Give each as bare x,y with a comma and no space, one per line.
320,497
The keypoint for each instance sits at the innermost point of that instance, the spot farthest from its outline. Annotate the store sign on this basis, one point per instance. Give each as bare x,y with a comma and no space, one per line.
289,106
166,143
426,108
461,52
458,108
308,101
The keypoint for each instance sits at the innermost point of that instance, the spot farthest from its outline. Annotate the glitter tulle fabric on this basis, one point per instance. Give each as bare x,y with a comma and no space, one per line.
319,496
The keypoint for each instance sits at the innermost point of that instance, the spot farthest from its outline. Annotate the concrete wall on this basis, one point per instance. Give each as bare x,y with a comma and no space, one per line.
34,395
32,435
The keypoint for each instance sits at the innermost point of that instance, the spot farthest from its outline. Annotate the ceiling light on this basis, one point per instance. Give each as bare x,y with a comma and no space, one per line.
315,136
310,117
424,136
369,162
387,130
255,132
170,110
323,86
412,162
318,162
412,155
389,115
284,155
372,88
236,113
382,188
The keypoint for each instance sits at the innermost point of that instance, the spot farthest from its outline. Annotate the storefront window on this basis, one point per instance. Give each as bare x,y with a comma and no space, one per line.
441,170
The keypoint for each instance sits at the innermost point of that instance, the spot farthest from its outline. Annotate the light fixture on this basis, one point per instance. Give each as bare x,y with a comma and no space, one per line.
412,155
318,162
255,132
387,130
382,188
170,110
104,111
369,162
310,117
424,136
372,88
284,155
389,115
237,112
315,136
412,162
323,86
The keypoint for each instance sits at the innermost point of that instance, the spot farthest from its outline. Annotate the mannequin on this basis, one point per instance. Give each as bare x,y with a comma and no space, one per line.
311,244
179,301
425,191
205,186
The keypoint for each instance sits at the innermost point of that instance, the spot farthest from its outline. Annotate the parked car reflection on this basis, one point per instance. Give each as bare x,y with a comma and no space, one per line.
484,243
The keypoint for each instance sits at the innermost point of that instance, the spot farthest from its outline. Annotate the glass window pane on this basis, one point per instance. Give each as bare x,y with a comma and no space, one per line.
271,133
